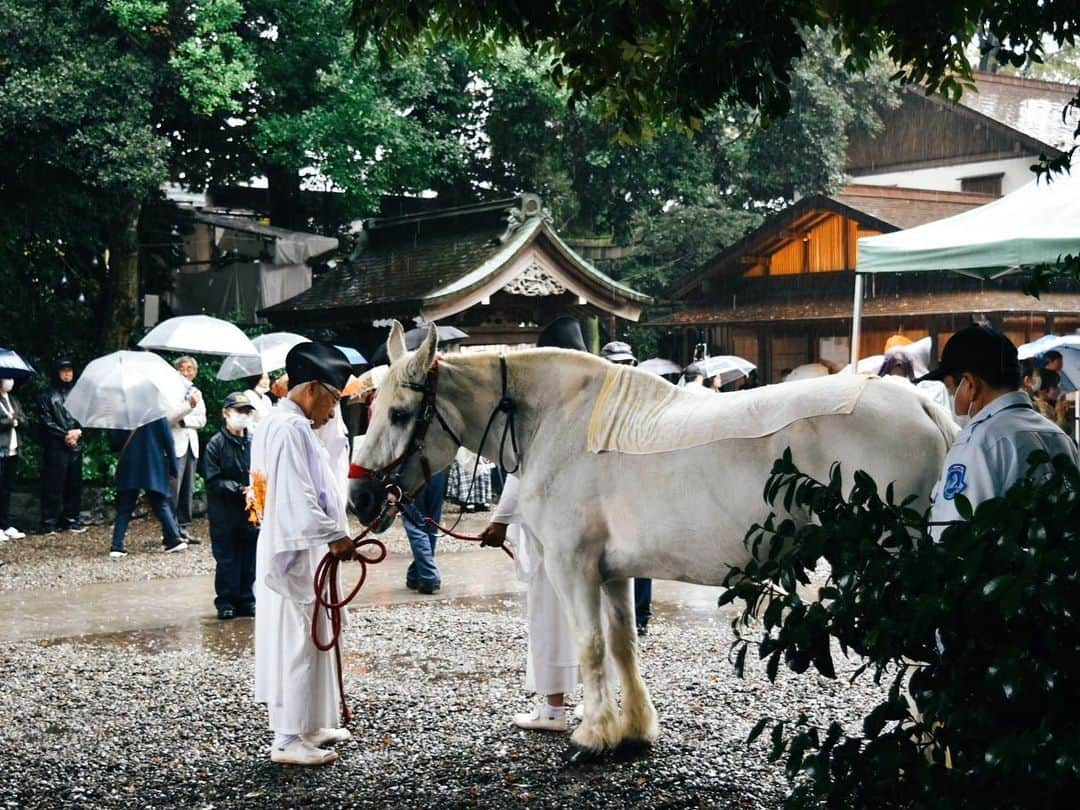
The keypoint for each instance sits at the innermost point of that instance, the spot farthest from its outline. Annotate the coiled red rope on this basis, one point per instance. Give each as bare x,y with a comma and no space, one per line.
328,598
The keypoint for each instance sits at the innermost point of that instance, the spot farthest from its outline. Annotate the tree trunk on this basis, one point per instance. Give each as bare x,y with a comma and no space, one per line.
121,310
286,210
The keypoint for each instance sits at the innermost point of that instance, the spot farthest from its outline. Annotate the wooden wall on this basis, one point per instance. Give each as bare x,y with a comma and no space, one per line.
828,247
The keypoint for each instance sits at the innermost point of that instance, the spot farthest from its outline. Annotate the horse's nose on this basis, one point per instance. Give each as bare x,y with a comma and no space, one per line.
365,498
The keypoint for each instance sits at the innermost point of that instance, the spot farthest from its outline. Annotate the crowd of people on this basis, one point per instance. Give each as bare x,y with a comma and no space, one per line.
277,499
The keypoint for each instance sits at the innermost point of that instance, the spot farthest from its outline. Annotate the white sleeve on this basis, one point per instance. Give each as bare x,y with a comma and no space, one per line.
197,418
507,509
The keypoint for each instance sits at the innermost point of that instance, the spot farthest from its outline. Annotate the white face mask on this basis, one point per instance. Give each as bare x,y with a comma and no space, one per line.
6,385
238,421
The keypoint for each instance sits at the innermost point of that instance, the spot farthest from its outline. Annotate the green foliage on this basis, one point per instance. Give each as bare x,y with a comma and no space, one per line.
647,62
978,629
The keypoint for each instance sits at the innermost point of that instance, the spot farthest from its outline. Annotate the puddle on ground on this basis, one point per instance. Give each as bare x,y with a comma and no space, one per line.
224,639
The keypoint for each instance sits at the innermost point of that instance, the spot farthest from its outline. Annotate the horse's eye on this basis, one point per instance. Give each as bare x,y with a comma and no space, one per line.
400,416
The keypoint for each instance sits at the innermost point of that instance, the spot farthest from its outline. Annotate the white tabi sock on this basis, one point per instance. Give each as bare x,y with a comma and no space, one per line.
553,712
283,741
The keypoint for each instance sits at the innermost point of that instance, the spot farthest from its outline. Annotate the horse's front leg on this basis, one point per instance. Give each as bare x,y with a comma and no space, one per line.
640,726
579,591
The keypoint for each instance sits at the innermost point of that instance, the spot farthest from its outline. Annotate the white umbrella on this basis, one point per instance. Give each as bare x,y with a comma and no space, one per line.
272,349
660,366
198,334
126,390
728,366
1069,346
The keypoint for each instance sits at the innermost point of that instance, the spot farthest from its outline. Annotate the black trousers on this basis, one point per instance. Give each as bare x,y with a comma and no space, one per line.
234,551
7,484
61,486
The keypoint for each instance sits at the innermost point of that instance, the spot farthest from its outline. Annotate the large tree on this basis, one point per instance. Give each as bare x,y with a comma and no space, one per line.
649,61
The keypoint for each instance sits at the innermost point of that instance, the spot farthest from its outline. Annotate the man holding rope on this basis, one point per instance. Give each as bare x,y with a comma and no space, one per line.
301,495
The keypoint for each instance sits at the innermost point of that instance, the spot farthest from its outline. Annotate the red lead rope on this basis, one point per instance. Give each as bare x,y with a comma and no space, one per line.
328,598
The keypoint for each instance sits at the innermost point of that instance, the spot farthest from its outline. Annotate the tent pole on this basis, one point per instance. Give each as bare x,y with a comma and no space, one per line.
856,322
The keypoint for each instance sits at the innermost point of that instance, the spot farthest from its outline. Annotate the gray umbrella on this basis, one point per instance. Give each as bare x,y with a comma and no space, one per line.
660,366
413,339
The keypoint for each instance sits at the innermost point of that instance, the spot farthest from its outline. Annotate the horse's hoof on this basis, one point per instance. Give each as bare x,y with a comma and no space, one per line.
632,748
580,755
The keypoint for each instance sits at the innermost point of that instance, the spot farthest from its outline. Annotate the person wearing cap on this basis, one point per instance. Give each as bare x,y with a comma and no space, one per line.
226,470
300,494
186,420
621,354
62,455
618,352
991,453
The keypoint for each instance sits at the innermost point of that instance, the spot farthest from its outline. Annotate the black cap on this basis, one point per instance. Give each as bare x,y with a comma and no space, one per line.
984,352
64,361
237,400
318,362
562,333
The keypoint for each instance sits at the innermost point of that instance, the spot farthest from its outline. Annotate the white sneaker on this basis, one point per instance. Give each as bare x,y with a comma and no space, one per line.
178,547
326,736
116,555
15,534
579,711
299,752
538,720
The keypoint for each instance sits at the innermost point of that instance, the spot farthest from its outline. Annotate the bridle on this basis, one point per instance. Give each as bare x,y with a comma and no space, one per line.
390,475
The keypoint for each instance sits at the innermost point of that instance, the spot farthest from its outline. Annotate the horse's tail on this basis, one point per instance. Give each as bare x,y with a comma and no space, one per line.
942,421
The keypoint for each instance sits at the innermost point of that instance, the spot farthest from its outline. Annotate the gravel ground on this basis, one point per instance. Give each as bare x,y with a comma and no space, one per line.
69,560
164,719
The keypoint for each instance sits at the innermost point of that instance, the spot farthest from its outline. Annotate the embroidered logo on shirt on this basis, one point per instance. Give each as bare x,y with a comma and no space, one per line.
954,481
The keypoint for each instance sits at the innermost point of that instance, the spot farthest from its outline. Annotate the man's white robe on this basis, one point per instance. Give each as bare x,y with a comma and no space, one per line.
304,510
552,660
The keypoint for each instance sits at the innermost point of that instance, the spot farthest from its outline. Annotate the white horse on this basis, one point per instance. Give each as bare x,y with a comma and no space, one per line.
605,517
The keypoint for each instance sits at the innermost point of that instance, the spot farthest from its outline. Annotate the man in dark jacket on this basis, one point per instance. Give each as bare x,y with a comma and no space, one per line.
147,463
227,462
62,455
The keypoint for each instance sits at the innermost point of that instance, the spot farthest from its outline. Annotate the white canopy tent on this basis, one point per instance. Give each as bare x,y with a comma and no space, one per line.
1035,225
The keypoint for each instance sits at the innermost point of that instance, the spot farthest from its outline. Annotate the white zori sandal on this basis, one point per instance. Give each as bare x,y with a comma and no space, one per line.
300,752
540,719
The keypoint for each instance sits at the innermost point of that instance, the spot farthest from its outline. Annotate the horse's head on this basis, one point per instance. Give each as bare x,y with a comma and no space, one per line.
401,439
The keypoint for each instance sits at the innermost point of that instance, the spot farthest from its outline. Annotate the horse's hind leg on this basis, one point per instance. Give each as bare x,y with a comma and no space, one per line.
638,714
580,595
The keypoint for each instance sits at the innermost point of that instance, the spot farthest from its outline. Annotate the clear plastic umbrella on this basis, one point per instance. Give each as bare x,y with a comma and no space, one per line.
728,366
660,366
126,390
1068,345
198,334
272,349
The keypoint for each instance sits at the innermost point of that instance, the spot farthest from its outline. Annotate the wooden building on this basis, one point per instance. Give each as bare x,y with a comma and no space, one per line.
986,142
497,270
782,296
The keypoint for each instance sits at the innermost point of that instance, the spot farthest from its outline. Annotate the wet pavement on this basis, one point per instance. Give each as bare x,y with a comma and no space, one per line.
181,609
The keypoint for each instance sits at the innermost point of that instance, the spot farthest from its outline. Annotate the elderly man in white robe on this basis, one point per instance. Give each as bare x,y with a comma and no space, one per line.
300,491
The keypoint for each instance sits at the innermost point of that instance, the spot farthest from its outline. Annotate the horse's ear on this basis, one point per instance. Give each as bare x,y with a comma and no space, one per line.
425,353
395,344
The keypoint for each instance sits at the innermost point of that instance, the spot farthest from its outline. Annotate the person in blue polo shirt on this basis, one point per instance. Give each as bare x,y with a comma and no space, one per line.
991,453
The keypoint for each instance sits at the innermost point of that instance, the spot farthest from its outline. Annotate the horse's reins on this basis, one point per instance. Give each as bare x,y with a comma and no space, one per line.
327,594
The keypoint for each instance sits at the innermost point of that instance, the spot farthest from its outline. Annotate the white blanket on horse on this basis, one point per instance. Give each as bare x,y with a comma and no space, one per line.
638,413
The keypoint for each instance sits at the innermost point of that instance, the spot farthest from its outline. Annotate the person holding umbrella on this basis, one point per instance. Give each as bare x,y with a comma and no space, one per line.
185,422
62,455
13,425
